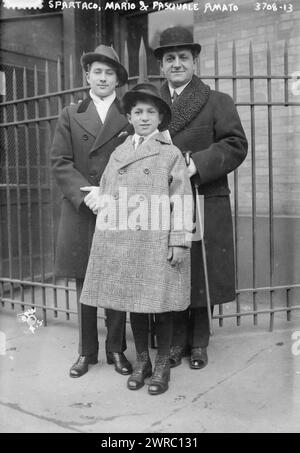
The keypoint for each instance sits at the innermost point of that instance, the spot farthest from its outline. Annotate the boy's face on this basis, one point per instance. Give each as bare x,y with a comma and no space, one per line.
102,79
145,118
178,66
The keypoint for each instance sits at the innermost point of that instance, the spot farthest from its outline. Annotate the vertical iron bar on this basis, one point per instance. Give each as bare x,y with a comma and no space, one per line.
59,85
216,63
143,74
198,67
236,193
84,81
48,139
216,58
40,195
60,107
271,205
28,183
288,304
18,194
253,177
67,300
9,208
221,319
2,293
286,74
71,78
126,63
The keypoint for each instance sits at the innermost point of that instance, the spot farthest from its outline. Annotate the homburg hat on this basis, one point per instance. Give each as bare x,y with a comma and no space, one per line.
176,37
144,92
107,55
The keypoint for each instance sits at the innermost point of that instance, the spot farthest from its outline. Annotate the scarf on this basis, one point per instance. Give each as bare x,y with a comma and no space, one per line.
188,105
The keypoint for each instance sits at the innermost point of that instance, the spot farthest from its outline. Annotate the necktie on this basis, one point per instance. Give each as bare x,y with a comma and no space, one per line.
139,142
175,96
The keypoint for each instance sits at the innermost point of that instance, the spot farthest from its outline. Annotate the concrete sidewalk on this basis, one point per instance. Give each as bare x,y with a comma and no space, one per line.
252,384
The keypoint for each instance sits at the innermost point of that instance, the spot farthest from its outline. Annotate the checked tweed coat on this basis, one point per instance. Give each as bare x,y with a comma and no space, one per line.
207,123
128,268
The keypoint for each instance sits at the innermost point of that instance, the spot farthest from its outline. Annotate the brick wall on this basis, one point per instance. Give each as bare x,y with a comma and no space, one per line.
244,27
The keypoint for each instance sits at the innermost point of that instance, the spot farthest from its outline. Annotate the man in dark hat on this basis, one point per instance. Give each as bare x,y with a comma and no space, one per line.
206,123
85,136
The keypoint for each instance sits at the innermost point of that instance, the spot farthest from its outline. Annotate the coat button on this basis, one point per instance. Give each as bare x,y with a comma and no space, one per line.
146,171
138,227
93,173
115,196
122,171
85,137
141,198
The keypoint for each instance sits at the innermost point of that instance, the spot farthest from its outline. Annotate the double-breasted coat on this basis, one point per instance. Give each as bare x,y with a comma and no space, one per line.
81,148
128,268
207,123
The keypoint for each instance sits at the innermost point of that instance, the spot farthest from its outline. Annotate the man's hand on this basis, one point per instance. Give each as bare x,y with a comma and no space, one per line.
175,255
192,170
92,198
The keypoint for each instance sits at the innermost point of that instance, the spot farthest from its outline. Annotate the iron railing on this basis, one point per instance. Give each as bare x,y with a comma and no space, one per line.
29,198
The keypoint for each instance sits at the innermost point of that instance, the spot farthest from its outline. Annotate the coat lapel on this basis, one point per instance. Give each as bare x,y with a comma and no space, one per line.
126,154
88,118
188,105
114,122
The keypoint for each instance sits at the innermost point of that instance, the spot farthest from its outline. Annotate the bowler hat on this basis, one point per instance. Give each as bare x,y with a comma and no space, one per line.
176,37
144,92
107,55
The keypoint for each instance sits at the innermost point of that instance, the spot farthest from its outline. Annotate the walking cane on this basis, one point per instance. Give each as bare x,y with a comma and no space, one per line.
187,156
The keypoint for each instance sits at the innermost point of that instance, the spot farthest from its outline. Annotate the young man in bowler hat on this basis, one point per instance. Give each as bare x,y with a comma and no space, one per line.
206,123
85,136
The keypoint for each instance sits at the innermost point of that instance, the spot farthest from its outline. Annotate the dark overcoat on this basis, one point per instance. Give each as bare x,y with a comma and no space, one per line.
207,123
81,148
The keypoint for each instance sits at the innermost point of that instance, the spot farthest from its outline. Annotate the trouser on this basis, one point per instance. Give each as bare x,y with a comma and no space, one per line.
88,330
163,330
191,328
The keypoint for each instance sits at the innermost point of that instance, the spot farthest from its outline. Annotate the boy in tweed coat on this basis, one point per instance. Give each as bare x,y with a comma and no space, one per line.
139,262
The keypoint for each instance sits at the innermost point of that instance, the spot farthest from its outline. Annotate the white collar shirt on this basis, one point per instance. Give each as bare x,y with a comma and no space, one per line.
102,105
178,90
136,137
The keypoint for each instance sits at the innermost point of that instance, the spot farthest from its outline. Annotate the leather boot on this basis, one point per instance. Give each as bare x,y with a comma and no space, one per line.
142,370
118,359
198,358
160,379
176,354
81,365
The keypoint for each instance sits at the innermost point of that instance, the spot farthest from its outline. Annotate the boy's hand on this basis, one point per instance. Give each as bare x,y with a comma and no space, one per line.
92,198
192,170
176,255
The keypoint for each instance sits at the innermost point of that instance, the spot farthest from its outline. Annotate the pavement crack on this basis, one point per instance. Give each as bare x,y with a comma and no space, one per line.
200,395
16,407
257,354
70,425
105,419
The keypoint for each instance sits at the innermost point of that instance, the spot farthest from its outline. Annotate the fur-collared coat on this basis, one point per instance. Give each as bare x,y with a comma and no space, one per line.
128,269
81,148
207,123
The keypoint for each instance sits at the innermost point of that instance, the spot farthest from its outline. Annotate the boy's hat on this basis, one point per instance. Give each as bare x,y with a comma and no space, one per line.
146,91
107,55
176,37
